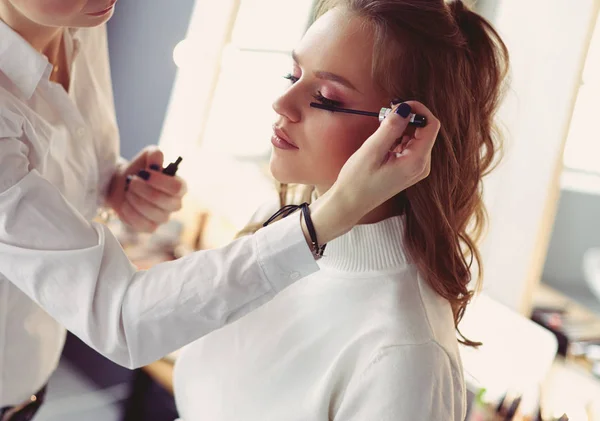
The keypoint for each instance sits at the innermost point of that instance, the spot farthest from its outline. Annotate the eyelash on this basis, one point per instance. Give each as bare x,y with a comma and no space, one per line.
318,96
291,78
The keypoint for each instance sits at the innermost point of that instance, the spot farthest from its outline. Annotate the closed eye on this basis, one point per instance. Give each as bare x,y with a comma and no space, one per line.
326,101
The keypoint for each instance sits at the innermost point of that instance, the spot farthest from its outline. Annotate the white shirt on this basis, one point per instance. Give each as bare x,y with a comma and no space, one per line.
58,151
365,338
71,139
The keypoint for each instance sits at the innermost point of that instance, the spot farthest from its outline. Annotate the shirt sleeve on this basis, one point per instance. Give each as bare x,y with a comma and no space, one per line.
410,382
77,271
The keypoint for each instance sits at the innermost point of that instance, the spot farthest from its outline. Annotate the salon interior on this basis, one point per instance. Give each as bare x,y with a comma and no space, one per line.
538,315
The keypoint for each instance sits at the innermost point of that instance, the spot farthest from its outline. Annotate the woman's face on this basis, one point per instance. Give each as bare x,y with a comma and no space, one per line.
68,13
332,65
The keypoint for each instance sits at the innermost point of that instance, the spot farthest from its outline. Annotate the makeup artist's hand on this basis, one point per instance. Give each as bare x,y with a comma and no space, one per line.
390,160
141,195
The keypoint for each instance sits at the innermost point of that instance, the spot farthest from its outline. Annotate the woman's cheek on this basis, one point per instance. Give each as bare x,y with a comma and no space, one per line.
354,135
334,142
51,8
341,147
339,141
64,8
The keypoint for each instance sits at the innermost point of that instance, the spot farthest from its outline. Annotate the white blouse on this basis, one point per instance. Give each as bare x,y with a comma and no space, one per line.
58,151
365,338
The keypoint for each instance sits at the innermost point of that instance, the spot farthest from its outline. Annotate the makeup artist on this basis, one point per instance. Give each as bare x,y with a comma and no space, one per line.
59,164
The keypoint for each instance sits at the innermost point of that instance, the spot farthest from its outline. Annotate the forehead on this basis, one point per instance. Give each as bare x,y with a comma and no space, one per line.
340,43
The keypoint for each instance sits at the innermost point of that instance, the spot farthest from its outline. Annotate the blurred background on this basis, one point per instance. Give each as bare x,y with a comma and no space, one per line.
215,67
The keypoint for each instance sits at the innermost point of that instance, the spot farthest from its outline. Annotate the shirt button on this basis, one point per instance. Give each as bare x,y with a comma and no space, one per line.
81,132
294,275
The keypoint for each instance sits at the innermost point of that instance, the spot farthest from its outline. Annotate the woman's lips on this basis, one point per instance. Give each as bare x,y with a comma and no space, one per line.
281,140
105,11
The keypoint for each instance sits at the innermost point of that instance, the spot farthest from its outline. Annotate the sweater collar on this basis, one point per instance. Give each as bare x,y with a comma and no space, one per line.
368,248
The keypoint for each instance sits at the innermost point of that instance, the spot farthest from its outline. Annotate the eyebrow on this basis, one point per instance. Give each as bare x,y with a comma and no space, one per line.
328,75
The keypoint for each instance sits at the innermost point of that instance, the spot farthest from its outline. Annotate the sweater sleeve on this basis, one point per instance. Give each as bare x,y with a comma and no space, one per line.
408,382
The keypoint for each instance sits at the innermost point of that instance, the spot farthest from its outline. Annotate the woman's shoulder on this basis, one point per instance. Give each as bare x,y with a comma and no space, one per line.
396,380
401,313
431,354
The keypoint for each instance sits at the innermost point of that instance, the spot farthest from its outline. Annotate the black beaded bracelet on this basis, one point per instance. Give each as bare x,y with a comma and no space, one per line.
317,250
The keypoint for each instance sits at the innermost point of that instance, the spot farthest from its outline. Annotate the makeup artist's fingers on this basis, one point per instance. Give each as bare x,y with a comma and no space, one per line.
135,219
382,141
428,134
153,157
147,209
172,186
413,163
373,174
401,143
169,203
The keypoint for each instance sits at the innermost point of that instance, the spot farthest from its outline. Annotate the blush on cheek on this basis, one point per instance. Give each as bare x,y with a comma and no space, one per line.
350,137
335,146
323,153
57,8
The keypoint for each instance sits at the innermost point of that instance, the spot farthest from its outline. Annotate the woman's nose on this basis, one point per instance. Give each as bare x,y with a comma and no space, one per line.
287,105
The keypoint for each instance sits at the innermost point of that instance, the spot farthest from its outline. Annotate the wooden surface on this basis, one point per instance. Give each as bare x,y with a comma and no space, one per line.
570,387
161,372
546,296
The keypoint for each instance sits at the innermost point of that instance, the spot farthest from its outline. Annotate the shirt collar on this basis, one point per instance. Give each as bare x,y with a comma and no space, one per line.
73,35
20,62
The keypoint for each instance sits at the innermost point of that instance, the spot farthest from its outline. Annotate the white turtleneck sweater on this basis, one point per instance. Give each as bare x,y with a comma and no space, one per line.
365,338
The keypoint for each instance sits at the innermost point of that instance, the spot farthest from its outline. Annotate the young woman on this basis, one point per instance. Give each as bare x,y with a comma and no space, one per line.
371,336
58,162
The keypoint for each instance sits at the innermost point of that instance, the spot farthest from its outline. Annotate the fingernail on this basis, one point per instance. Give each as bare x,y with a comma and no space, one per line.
396,101
403,110
144,175
127,182
155,167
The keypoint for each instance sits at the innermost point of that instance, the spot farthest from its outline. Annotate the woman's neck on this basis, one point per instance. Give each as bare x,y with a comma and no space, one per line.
44,39
383,211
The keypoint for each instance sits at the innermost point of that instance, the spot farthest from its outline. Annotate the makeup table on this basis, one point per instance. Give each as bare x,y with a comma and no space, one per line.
570,387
